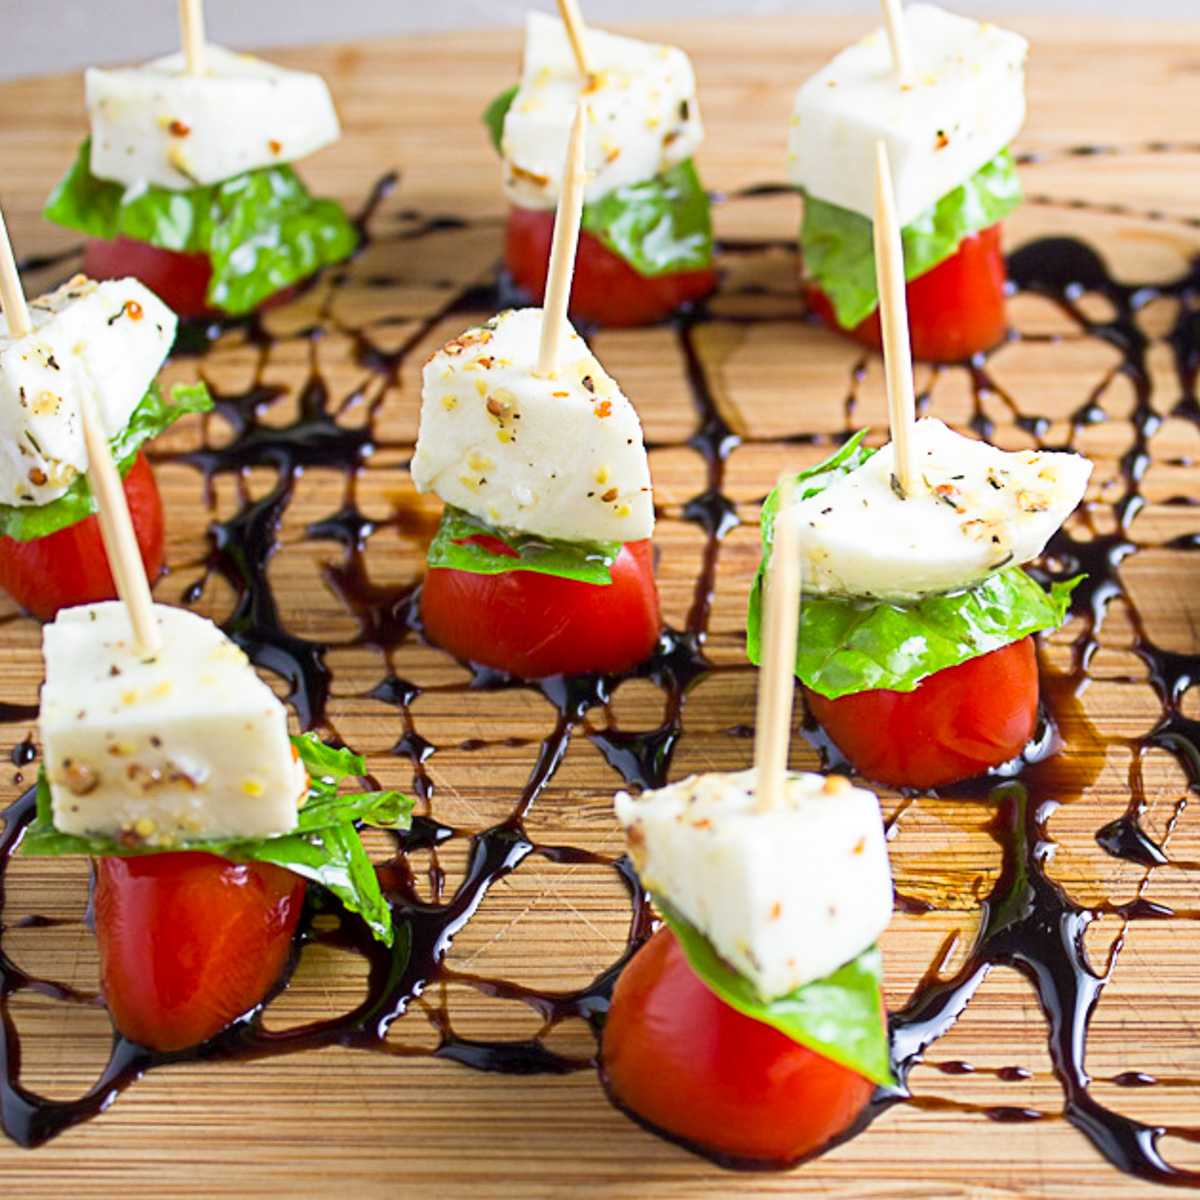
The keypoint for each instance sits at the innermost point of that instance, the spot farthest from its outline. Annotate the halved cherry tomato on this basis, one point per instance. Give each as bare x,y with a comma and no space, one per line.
954,311
606,290
189,941
180,281
69,566
955,724
683,1061
533,625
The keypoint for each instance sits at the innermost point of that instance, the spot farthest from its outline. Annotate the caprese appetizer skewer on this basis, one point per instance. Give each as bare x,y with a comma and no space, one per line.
542,563
751,1026
168,761
646,249
915,639
101,340
947,105
185,180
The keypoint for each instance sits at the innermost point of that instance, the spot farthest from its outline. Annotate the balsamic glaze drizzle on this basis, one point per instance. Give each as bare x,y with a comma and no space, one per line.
1028,921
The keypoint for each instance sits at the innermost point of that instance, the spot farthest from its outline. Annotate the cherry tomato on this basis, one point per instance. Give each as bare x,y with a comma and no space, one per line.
533,625
189,941
69,566
956,723
180,281
954,311
683,1061
606,290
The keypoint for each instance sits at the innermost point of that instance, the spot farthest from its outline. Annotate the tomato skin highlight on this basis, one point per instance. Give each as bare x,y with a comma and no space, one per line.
606,290
189,941
684,1062
69,566
955,724
533,625
955,310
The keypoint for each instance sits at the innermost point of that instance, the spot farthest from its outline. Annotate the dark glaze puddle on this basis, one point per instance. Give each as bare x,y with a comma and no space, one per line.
1028,921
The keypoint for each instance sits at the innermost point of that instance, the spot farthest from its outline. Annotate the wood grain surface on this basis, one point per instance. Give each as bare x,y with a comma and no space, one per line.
404,1124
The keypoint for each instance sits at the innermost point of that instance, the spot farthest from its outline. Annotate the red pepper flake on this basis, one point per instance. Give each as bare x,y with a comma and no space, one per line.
942,141
610,495
776,911
560,395
274,146
179,129
133,310
604,409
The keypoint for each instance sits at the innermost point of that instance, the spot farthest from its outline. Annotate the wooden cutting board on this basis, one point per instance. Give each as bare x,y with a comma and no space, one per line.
407,1124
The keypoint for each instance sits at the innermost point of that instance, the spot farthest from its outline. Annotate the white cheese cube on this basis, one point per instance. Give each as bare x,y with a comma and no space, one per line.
972,510
964,104
106,340
643,115
785,896
188,743
561,456
156,124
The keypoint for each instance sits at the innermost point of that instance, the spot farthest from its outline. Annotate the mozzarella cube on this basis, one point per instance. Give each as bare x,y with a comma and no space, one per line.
188,743
785,896
964,104
561,456
106,340
972,510
158,125
643,116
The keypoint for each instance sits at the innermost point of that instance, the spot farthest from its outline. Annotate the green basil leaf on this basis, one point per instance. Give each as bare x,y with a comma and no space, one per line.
589,562
847,645
154,414
333,857
658,226
97,207
324,847
326,765
839,254
841,1016
262,230
494,114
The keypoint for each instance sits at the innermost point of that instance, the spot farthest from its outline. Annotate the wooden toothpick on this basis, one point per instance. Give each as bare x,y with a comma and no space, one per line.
562,249
191,24
116,529
577,32
776,677
12,295
893,314
893,15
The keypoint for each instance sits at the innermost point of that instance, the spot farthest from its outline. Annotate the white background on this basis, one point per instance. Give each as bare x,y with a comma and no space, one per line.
40,36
